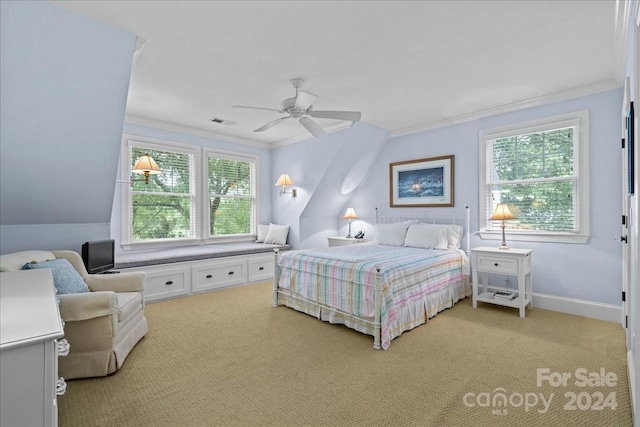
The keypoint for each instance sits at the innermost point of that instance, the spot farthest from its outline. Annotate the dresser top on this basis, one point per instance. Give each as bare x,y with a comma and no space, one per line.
28,308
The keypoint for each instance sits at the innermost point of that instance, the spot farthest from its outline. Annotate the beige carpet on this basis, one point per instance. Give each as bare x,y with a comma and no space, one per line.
229,358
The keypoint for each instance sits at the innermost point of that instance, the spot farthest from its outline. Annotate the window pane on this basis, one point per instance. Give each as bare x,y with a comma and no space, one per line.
230,215
536,155
175,172
160,216
538,206
229,177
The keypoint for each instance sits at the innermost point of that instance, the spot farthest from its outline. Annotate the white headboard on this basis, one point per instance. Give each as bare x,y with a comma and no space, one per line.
464,222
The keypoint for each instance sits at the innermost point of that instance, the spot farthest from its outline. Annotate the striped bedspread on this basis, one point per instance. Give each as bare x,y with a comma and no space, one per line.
344,277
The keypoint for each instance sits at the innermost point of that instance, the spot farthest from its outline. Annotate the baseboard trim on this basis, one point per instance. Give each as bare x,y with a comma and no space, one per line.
594,310
631,371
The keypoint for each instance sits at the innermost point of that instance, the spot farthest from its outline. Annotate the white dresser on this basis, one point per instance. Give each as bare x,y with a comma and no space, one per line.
30,327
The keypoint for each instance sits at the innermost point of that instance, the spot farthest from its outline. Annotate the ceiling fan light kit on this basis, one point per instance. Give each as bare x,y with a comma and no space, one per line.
300,107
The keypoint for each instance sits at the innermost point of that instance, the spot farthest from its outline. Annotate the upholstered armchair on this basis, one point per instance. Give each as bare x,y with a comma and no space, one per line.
102,323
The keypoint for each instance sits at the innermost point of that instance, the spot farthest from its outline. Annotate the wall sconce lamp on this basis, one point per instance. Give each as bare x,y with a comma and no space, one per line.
502,213
350,214
144,165
285,181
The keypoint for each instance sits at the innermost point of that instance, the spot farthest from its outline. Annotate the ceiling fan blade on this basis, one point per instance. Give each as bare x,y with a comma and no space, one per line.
311,126
271,124
352,116
304,100
256,108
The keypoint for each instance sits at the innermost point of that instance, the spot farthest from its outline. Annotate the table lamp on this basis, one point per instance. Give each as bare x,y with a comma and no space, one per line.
502,213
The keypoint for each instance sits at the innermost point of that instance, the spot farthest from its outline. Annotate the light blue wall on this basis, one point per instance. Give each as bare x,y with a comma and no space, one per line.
327,171
589,271
64,80
265,184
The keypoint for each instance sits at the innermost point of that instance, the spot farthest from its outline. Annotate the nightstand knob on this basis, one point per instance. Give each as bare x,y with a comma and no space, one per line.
496,264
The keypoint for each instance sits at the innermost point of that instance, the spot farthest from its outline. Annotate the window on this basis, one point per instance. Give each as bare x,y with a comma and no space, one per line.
231,200
177,207
539,169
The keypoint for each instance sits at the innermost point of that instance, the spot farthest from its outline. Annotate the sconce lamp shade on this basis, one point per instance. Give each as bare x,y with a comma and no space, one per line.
502,213
350,214
284,181
147,166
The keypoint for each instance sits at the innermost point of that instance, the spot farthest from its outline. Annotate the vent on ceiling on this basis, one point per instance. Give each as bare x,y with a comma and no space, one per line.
222,121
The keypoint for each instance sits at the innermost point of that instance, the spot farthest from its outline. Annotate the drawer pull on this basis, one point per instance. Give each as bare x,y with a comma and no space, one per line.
209,276
63,347
496,264
231,273
169,282
261,268
61,386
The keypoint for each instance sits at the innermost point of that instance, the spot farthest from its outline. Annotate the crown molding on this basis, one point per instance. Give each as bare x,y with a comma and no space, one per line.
135,120
520,105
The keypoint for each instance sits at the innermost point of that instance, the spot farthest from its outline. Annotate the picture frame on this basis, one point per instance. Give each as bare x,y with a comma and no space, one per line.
424,183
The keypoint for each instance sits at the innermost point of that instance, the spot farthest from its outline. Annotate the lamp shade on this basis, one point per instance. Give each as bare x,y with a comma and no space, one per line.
350,214
146,165
502,213
284,180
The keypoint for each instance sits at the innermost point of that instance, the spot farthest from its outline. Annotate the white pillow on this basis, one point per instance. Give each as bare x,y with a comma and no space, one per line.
391,234
453,233
425,236
277,234
263,230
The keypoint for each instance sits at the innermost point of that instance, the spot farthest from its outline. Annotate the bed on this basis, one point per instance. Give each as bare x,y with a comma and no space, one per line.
411,271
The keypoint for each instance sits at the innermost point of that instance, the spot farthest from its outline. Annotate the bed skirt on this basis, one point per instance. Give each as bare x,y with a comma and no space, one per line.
409,316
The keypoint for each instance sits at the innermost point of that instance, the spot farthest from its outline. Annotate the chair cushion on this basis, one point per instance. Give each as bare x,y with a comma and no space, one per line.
17,260
129,303
65,278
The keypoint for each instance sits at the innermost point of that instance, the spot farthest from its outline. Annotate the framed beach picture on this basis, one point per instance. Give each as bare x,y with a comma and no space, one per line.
426,183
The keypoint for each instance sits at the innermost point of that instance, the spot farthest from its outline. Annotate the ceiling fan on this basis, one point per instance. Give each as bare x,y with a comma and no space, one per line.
299,107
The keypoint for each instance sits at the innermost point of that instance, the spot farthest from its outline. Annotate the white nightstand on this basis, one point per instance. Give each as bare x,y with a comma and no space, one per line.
510,262
344,241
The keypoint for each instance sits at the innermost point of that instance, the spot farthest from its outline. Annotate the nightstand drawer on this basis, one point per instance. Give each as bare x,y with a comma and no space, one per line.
497,264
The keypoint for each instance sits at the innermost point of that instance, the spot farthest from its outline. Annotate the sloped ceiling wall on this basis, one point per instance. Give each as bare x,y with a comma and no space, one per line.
327,170
64,84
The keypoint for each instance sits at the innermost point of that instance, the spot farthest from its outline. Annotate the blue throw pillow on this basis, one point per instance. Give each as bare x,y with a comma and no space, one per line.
65,278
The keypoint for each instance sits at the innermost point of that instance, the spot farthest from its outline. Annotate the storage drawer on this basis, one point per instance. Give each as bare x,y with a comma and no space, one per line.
260,268
496,264
218,275
166,283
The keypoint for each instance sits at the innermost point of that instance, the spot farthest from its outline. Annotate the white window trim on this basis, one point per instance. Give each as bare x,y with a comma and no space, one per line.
579,119
203,201
125,167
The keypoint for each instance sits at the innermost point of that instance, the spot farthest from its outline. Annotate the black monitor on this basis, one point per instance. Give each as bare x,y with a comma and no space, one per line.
98,256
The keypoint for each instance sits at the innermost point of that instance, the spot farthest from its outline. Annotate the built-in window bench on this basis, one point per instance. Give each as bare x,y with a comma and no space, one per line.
185,270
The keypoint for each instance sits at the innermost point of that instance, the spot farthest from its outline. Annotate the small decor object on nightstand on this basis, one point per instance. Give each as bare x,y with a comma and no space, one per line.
502,213
350,214
504,295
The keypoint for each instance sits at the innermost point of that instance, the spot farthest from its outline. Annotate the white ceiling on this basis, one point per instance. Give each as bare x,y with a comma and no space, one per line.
406,66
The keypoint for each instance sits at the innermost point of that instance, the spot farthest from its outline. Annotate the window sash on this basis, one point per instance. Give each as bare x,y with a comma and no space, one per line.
556,220
169,195
231,204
